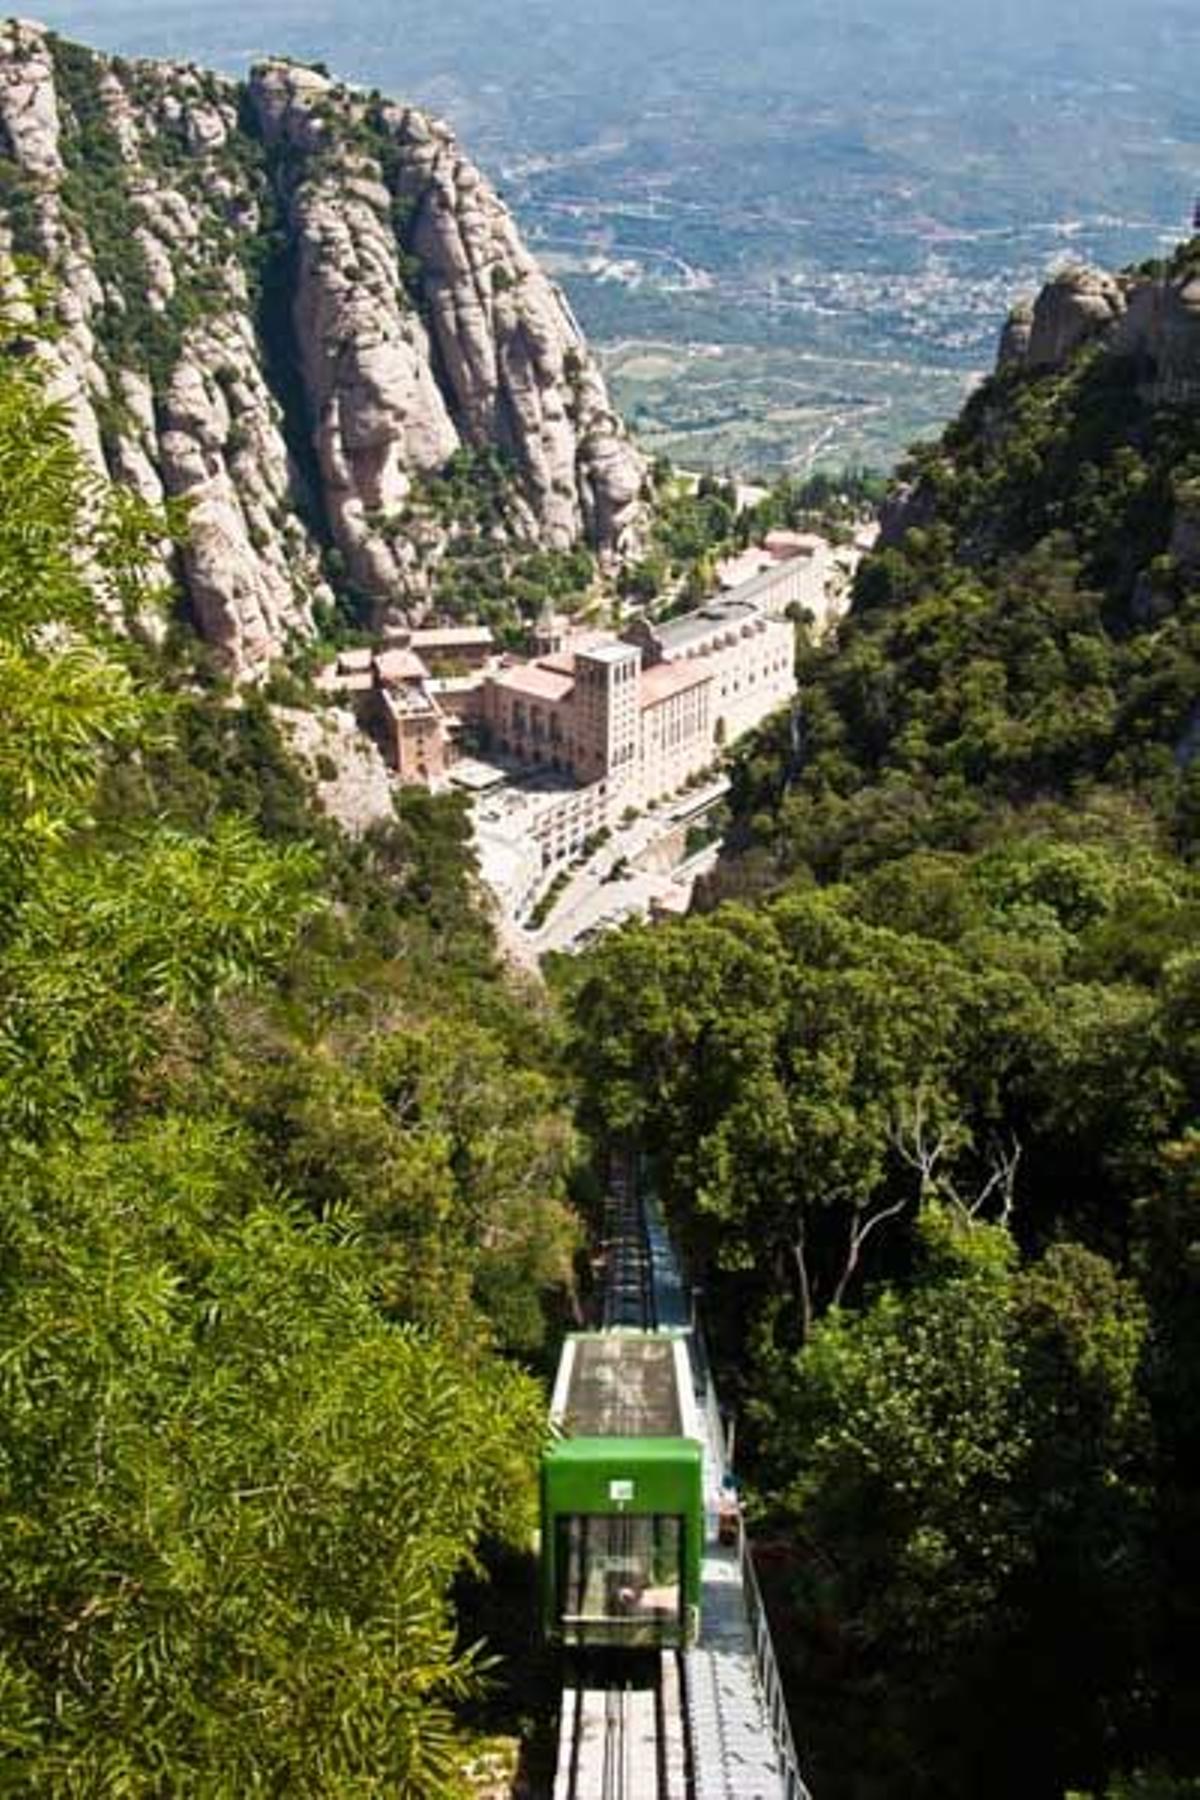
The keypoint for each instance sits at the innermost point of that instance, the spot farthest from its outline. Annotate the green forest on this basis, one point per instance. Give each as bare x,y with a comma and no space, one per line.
295,1175
284,1191
921,1083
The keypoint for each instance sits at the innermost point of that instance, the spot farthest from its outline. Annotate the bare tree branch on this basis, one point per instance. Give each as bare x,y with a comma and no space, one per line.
1001,1180
916,1141
930,1151
860,1230
800,1255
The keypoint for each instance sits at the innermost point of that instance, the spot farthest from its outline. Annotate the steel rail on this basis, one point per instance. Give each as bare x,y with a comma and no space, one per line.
628,1298
621,1740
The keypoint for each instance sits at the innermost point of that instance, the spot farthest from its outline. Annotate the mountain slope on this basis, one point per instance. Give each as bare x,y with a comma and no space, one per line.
1029,631
291,304
285,1177
922,1094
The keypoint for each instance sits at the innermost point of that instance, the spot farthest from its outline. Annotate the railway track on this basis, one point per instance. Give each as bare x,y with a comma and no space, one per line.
629,1275
705,1722
622,1735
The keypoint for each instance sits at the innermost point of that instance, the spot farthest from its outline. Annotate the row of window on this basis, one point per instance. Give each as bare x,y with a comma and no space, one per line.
752,675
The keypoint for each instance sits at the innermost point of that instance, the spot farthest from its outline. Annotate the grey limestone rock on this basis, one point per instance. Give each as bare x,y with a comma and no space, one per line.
29,123
251,570
1077,305
909,506
1152,319
1014,339
302,417
472,346
345,770
1161,330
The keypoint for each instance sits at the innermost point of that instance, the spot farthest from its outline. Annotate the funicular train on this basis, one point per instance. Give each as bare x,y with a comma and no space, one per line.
622,1494
640,1516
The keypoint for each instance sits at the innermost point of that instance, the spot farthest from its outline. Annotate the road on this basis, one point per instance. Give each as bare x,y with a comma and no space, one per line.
595,898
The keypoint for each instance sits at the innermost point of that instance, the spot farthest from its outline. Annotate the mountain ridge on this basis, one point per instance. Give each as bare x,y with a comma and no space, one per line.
291,304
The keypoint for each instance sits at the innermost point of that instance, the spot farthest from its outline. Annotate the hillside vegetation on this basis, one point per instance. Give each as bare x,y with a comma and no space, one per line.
284,1183
286,1194
921,1087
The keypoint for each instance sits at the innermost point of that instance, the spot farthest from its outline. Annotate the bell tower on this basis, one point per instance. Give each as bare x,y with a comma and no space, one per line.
607,688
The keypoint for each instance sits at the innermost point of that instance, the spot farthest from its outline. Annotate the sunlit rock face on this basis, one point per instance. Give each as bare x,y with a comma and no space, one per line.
1151,319
284,303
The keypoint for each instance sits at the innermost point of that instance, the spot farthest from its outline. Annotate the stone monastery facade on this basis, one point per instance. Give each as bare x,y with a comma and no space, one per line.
645,712
615,721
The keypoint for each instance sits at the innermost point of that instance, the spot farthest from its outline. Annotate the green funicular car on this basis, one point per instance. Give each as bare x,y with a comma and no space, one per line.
623,1494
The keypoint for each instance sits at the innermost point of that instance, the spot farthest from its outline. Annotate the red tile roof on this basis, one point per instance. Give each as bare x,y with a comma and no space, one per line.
665,679
399,665
537,681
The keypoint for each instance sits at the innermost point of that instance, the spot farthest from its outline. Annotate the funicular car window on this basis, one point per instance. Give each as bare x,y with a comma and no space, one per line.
620,1576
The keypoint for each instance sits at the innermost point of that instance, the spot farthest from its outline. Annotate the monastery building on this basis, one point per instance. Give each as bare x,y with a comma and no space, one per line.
645,712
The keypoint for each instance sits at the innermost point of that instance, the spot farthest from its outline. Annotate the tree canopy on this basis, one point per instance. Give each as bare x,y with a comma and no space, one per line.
284,1179
918,1080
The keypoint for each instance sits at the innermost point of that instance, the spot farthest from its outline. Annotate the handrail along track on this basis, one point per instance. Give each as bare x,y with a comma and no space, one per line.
794,1787
627,1724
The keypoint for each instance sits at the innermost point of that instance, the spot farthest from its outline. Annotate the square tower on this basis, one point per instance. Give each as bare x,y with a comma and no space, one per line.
607,688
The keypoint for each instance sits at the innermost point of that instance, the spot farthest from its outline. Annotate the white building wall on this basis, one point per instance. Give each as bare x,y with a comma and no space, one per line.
753,676
803,579
676,740
563,825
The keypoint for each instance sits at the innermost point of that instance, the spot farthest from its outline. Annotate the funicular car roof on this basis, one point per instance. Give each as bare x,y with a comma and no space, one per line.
623,1385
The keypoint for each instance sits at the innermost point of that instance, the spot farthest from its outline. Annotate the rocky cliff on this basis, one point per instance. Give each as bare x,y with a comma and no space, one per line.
1150,317
294,304
1114,359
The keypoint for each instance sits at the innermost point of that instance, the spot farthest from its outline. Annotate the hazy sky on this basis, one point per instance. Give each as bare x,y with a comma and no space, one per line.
1018,108
384,39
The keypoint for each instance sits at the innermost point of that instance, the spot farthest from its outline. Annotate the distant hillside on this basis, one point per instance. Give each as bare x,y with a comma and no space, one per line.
789,186
299,308
1029,630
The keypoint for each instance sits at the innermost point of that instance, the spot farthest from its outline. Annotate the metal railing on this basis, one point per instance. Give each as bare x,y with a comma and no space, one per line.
792,1782
794,1786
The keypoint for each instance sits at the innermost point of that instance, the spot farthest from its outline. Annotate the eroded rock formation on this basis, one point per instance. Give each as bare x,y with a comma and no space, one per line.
288,304
1077,305
1014,339
345,770
1153,319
